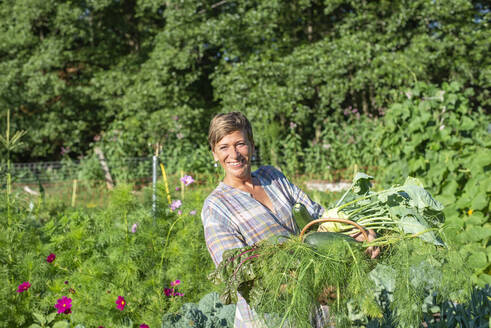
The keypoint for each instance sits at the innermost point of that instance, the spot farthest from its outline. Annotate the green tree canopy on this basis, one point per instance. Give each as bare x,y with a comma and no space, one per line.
150,71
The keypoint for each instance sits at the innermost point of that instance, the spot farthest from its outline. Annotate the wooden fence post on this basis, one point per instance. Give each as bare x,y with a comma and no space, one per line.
105,168
74,192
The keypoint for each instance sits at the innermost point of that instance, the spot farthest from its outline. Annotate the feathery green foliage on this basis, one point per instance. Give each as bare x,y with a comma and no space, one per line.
98,258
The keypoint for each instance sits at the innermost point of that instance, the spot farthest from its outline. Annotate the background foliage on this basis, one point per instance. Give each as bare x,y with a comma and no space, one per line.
80,73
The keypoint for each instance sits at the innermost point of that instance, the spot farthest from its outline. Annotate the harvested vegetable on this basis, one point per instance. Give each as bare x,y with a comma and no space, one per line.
286,279
407,209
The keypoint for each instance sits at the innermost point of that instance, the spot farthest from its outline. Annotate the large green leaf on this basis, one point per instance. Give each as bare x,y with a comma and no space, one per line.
420,198
411,225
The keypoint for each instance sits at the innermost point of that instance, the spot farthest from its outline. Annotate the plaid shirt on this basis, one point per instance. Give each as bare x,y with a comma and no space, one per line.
232,218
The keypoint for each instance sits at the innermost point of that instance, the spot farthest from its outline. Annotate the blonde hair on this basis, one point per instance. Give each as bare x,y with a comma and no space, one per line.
226,123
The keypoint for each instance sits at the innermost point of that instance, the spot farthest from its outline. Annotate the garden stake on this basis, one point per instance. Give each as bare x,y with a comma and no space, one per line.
166,184
154,184
74,192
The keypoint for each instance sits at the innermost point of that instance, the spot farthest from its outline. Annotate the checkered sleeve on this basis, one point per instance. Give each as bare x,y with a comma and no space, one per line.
220,234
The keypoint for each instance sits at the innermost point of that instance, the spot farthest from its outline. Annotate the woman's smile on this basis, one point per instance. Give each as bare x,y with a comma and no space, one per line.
234,154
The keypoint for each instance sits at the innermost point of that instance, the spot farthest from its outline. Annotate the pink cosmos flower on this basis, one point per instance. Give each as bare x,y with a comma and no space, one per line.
23,287
168,292
121,303
175,283
171,292
64,305
193,212
175,205
187,180
134,227
51,257
143,325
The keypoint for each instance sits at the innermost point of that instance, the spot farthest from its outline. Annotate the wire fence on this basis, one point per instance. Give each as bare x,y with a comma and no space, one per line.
76,182
87,183
42,172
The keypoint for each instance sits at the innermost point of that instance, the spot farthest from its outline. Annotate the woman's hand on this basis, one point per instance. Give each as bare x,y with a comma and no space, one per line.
372,251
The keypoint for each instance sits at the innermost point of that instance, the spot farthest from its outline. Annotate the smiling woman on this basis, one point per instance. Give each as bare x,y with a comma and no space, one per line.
247,207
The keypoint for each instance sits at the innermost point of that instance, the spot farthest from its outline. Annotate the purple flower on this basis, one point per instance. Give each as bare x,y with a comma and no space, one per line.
178,188
175,283
51,257
193,212
23,287
66,282
64,305
120,303
143,325
175,205
133,227
168,292
187,180
179,212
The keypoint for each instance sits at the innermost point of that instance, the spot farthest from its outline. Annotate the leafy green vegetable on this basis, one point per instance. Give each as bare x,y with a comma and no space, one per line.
286,281
208,313
405,209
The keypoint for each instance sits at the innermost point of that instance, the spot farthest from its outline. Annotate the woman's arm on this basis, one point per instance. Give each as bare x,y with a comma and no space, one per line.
219,234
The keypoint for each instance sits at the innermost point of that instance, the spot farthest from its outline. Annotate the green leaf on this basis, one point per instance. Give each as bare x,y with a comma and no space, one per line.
361,183
477,260
34,325
39,317
411,225
421,198
480,202
61,324
475,233
485,279
384,278
467,124
50,317
477,218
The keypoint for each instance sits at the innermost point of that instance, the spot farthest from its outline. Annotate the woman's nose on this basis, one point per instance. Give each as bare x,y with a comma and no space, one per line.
235,152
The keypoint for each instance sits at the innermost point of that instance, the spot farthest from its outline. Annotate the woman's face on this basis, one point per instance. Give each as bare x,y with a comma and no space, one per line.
234,153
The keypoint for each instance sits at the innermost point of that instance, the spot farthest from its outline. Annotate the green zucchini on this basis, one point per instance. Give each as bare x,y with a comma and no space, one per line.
300,215
325,240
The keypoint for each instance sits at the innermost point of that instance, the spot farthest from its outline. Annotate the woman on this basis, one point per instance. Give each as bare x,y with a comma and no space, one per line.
246,207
